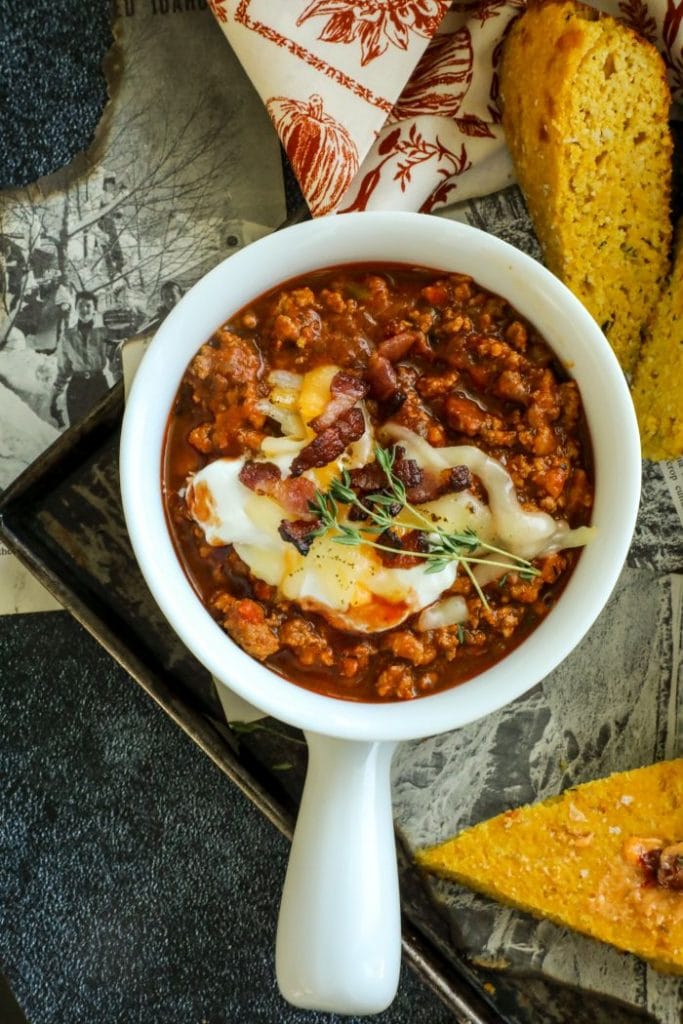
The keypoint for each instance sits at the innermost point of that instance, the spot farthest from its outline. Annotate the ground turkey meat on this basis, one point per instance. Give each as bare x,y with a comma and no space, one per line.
248,625
430,351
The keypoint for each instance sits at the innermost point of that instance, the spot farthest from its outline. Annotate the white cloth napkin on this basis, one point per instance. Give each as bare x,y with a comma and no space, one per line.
397,99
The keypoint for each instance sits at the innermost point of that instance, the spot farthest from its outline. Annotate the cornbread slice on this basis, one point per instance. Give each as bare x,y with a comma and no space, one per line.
581,859
585,110
658,385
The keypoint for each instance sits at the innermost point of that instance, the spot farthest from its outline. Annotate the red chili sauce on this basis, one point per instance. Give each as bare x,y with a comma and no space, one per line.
430,351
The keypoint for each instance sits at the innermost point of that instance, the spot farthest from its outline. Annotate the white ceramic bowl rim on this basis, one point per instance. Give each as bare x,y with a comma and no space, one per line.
365,238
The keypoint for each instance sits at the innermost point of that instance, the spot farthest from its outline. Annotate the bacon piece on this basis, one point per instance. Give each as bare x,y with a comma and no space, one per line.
298,532
395,347
407,470
414,540
294,495
459,478
366,479
346,389
421,485
384,383
330,443
371,477
434,485
429,488
260,477
266,479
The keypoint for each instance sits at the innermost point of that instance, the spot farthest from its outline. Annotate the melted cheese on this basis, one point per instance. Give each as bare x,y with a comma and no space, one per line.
315,395
350,585
523,533
350,580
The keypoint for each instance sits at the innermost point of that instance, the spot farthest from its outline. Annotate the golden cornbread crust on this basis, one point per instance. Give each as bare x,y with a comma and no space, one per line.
585,110
565,859
658,385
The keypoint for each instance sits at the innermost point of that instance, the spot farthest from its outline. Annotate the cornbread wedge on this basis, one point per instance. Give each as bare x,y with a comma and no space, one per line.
588,860
585,110
658,385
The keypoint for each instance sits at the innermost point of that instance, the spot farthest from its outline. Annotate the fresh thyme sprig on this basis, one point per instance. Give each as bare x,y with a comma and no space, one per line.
380,511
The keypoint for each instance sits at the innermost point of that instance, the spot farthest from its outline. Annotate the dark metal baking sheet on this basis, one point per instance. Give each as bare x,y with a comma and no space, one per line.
63,519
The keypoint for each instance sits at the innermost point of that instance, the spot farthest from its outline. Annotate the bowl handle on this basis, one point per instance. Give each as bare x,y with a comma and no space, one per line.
338,942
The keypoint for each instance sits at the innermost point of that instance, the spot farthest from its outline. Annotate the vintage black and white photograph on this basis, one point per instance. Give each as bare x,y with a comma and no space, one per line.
103,251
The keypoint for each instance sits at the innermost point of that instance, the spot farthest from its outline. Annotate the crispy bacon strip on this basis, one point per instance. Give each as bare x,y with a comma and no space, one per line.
459,478
260,477
298,532
292,494
296,494
407,470
371,476
383,379
366,479
346,389
434,485
421,485
395,347
330,443
414,540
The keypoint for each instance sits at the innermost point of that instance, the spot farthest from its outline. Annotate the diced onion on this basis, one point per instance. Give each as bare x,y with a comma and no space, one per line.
289,422
284,398
272,447
566,538
451,611
285,379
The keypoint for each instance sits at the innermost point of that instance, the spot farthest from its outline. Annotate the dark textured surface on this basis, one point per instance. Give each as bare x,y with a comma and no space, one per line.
136,883
52,89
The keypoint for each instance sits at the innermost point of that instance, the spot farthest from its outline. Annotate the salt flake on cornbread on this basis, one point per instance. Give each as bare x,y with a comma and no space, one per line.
605,859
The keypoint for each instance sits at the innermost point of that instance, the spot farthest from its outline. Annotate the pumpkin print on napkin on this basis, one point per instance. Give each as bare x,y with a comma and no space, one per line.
321,151
330,74
393,104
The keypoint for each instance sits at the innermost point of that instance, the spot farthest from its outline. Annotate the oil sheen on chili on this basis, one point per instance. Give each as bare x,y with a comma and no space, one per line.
377,479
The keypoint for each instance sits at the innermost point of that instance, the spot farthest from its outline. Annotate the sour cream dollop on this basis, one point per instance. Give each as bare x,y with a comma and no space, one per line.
351,586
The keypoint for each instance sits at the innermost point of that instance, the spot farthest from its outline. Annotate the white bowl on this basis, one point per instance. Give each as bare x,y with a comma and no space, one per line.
338,947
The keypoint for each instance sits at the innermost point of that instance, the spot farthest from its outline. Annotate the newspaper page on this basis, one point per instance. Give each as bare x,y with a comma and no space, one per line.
184,170
616,702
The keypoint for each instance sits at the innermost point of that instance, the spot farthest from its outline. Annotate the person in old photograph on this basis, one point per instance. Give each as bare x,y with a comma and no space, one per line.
109,223
56,307
125,316
170,293
84,370
122,319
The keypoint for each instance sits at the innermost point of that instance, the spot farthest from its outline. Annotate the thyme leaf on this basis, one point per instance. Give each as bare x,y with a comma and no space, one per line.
380,510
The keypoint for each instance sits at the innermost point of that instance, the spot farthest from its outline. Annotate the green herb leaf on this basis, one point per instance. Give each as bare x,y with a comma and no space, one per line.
385,500
464,547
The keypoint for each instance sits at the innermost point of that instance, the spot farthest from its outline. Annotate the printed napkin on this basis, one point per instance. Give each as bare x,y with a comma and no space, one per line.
393,104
